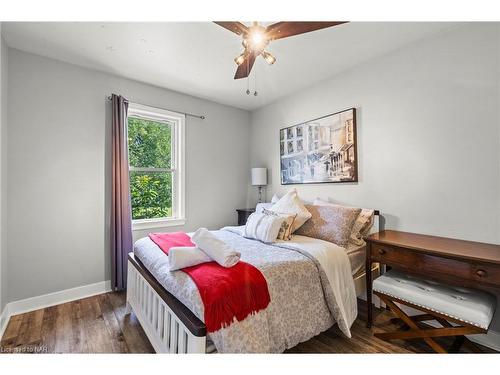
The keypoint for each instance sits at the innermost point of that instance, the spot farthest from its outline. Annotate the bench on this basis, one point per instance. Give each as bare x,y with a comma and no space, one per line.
459,311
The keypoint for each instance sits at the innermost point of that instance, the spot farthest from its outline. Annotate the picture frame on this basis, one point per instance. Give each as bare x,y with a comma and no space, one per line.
321,150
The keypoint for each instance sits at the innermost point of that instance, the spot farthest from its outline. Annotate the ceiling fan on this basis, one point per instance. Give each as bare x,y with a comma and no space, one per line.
257,37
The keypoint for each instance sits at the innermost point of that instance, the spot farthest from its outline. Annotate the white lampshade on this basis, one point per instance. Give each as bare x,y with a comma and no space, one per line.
259,176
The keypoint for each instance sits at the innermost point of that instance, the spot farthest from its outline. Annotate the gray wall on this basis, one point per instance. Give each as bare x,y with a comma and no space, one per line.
58,152
428,137
428,134
3,169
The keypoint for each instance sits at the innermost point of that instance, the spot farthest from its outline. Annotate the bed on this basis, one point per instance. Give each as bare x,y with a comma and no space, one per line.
169,308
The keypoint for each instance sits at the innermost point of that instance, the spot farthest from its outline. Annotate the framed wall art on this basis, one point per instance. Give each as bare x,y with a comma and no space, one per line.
320,151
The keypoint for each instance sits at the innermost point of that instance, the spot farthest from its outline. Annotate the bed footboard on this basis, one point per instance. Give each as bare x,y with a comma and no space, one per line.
168,324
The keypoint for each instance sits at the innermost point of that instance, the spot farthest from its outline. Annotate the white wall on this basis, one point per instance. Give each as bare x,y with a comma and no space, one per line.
428,134
2,79
428,148
3,149
58,177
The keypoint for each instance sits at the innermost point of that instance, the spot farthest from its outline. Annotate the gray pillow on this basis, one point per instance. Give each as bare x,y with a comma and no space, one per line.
330,223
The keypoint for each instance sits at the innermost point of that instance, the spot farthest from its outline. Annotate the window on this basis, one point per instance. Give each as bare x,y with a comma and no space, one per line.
156,166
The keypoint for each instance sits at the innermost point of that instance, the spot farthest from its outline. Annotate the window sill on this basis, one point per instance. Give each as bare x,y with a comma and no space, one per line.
157,223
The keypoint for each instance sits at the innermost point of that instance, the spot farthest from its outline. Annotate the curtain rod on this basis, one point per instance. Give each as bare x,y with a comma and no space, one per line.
166,109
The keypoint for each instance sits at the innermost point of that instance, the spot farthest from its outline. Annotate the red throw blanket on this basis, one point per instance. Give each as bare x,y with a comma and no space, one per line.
168,240
226,293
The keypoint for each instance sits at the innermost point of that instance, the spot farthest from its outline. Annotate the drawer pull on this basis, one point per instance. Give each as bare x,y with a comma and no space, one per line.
481,273
381,251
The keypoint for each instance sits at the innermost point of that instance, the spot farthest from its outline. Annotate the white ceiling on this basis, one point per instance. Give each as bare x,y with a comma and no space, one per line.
196,58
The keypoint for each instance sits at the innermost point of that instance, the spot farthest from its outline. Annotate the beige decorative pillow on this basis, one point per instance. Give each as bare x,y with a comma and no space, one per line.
291,204
285,232
362,225
330,223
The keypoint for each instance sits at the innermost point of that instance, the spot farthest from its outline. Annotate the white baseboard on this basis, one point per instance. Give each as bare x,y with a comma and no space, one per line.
4,320
490,340
51,299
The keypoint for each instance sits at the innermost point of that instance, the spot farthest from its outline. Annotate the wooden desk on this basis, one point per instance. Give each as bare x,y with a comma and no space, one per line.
451,261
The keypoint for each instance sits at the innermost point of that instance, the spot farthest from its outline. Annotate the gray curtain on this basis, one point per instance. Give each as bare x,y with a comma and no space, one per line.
121,214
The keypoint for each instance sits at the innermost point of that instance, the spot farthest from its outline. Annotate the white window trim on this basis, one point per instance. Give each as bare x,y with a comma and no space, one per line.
179,186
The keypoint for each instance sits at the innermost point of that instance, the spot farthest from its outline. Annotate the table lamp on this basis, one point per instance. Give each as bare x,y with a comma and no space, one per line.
259,178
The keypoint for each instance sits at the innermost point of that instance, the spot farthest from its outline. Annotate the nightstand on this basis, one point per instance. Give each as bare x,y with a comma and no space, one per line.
243,214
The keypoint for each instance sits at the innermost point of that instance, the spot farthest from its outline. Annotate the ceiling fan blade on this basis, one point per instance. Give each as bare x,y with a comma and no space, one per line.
235,27
244,69
285,29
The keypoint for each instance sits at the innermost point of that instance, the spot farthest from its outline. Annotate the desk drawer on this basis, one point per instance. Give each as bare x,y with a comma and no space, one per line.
471,273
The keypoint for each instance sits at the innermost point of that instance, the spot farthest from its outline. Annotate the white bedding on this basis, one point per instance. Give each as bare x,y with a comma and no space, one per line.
357,258
309,281
338,271
335,263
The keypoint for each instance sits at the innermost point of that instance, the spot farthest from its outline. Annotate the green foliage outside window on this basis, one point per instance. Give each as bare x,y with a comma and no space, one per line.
150,147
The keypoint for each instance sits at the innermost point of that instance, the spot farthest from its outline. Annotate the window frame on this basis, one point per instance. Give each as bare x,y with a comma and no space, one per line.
177,164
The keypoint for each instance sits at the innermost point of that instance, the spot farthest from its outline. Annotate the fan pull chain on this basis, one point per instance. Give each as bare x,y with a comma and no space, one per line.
248,79
255,81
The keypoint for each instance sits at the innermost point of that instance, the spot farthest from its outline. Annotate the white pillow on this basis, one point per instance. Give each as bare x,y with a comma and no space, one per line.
291,204
276,197
285,232
261,206
263,227
362,225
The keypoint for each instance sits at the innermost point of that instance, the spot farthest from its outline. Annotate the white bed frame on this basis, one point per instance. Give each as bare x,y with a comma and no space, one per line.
166,330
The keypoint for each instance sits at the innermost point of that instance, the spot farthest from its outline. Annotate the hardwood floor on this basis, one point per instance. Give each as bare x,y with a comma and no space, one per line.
99,325
91,325
363,341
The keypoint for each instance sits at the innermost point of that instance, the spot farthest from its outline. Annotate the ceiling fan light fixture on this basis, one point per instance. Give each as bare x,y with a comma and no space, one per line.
240,59
270,59
256,37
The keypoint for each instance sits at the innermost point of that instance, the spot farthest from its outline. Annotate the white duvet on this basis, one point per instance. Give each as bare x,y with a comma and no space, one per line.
335,263
309,281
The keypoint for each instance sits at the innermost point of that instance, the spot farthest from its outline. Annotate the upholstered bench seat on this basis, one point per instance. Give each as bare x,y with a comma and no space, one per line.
466,305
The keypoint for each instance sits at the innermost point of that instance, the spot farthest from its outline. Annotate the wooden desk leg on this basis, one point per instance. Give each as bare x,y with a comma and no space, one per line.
368,273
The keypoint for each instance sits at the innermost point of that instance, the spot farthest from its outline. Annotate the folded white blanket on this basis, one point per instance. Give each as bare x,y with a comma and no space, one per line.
181,257
215,248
